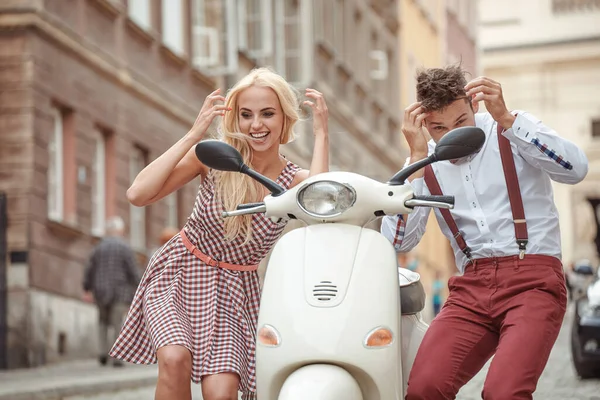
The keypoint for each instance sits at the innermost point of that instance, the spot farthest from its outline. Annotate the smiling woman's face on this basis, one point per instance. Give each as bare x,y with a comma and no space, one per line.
260,117
458,113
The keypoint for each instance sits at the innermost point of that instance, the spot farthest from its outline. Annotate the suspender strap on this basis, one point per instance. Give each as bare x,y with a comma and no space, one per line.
514,196
514,191
434,188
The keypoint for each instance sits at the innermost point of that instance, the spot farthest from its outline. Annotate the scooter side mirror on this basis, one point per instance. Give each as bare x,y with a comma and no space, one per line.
457,143
221,156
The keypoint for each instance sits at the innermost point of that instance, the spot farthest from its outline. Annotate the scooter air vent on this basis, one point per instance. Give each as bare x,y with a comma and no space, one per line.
325,291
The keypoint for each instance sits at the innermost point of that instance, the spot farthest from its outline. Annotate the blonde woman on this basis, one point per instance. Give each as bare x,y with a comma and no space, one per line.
196,318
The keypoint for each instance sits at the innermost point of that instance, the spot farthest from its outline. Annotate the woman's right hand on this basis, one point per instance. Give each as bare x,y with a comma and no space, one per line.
208,112
413,130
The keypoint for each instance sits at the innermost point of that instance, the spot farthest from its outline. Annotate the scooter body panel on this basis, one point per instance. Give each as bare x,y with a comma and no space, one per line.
322,382
361,265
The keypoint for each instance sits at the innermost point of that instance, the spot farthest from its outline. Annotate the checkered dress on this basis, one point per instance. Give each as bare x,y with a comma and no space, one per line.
211,311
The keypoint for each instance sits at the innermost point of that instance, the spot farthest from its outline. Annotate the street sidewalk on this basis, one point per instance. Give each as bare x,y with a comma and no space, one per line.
73,378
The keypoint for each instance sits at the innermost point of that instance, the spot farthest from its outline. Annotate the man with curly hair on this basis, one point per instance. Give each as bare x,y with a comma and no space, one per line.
509,298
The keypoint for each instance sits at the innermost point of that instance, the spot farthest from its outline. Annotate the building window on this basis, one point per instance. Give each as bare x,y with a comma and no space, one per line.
62,170
328,21
360,35
55,168
288,40
214,36
338,28
173,25
137,215
596,128
411,79
139,11
256,22
99,184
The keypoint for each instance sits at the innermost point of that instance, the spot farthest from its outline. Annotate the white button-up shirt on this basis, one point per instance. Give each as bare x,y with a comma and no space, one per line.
482,209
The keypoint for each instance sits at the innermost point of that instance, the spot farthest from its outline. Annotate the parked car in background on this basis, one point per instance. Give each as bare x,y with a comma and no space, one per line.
585,334
579,278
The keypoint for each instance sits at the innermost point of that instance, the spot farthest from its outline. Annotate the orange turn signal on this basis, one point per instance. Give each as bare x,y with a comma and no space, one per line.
268,336
379,337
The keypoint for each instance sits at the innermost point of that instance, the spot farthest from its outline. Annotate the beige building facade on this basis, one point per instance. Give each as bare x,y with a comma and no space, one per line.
546,54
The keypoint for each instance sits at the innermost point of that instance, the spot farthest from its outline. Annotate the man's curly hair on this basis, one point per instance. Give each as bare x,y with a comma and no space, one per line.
437,88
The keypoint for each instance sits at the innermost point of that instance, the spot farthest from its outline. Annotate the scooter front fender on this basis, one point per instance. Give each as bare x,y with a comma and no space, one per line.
320,382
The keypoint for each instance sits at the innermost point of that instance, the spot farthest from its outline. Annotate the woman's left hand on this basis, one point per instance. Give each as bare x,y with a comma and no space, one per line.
320,113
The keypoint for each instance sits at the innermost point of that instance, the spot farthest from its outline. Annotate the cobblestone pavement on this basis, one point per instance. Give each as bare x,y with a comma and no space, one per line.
558,381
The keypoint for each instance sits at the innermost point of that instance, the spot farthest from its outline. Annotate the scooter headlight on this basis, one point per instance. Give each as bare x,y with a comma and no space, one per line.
326,198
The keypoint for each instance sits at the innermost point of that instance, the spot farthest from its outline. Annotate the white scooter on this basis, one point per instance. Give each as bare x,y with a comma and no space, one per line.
333,322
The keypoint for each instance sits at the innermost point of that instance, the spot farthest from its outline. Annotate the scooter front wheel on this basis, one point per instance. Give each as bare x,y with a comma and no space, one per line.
320,382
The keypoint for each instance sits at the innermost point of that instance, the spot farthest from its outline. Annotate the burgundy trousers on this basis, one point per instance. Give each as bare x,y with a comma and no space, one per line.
504,306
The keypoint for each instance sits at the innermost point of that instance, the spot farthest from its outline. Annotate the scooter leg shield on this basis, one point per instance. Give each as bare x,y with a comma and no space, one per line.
320,382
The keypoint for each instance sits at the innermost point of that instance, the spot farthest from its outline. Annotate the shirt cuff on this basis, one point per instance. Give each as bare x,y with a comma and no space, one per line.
522,131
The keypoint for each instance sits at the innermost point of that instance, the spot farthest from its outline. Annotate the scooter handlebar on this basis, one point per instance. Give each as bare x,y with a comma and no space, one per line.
249,205
431,201
244,209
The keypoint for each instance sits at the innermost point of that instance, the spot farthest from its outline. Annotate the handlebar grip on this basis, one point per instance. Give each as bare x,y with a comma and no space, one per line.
440,199
249,205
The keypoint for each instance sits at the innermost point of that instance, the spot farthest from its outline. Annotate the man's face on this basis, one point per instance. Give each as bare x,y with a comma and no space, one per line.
457,114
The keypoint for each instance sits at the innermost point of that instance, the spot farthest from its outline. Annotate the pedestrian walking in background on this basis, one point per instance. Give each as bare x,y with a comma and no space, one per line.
109,281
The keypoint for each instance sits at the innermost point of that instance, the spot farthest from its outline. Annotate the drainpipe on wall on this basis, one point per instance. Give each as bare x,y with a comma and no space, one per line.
3,286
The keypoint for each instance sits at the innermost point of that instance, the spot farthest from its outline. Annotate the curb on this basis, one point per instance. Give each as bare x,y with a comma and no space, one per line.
83,386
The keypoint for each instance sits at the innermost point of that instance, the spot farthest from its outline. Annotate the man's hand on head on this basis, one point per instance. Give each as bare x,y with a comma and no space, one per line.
413,131
490,91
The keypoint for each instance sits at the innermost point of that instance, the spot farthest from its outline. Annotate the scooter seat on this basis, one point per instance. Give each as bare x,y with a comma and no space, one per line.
412,293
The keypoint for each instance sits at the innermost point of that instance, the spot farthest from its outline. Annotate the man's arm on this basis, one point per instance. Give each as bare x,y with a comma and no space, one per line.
406,231
539,145
543,148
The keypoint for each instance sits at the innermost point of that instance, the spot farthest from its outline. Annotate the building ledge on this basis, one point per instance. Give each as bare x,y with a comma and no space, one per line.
541,44
108,66
64,229
110,7
179,60
146,36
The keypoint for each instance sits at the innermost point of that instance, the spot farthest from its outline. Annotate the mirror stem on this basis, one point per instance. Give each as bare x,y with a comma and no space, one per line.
403,174
273,187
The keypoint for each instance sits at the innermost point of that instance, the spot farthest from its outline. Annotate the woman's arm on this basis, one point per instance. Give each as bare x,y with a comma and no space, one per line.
178,165
173,169
320,158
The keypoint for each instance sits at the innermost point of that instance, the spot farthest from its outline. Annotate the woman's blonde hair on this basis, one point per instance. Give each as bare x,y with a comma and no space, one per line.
235,188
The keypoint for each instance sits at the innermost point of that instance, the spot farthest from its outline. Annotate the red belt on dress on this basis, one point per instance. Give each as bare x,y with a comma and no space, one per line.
211,261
